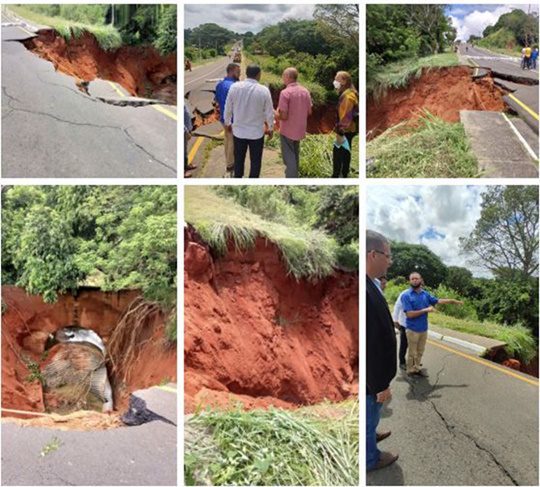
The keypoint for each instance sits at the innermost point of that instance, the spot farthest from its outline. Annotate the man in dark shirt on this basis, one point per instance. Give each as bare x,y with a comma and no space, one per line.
380,348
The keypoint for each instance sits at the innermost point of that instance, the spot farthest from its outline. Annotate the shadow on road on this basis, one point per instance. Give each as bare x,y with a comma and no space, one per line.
421,389
392,475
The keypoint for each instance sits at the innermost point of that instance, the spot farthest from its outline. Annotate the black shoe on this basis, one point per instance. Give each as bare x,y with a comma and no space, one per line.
422,373
385,459
383,436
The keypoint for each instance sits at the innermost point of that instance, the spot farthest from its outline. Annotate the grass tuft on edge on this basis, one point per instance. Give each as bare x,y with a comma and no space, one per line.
310,446
307,253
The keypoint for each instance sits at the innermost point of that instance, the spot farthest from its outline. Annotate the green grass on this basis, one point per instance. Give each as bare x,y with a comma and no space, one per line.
519,341
398,75
106,35
50,447
306,253
308,446
431,149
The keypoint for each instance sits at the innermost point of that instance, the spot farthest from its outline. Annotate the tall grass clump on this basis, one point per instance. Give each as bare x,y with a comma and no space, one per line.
274,447
398,75
306,253
316,156
432,148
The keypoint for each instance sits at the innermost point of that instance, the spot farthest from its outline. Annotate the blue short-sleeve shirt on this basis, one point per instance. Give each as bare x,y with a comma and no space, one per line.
414,301
222,91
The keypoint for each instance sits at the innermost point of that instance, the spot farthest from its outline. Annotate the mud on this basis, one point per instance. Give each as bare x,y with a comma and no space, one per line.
443,92
256,336
27,322
142,71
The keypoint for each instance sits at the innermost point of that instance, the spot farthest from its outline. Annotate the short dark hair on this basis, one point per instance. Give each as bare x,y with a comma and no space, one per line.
375,241
252,71
415,272
231,67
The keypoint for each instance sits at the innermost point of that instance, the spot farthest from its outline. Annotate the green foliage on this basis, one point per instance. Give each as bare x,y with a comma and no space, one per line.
460,280
400,32
84,13
513,27
274,447
506,234
409,258
34,372
208,36
502,38
432,149
165,41
338,213
55,237
465,311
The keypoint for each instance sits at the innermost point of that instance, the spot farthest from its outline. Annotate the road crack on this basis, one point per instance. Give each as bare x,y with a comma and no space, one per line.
140,147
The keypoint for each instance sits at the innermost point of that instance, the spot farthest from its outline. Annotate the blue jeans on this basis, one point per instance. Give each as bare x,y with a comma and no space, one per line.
373,416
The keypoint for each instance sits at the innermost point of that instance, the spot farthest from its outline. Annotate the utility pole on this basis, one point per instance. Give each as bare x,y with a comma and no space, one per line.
112,14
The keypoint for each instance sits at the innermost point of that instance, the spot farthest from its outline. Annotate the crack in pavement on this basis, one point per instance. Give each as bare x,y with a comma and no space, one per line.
77,92
132,140
453,429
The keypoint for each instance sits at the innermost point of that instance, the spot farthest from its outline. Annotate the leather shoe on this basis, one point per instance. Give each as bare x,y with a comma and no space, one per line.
385,459
383,436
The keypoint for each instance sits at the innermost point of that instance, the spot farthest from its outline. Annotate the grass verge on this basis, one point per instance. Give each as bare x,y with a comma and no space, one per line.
397,75
309,446
306,253
432,148
520,343
106,35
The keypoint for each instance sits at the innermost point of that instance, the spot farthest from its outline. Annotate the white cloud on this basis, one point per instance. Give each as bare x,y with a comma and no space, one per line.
406,213
475,22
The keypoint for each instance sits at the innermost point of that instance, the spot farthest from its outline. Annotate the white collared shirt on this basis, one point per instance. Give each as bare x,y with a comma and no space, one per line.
399,315
249,104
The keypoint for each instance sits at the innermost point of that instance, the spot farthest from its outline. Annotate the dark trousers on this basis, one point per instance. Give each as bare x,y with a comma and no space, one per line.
255,156
341,159
402,345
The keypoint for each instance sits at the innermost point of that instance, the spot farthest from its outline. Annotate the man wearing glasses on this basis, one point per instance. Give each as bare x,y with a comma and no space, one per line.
381,360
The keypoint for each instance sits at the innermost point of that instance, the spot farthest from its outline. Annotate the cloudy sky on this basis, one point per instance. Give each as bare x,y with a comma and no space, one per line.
243,17
436,216
473,19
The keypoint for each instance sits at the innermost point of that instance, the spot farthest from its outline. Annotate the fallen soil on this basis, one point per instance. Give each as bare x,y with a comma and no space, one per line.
256,336
443,92
27,322
142,71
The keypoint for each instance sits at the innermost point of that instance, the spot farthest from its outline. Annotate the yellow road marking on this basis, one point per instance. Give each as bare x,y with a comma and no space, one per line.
485,363
168,389
115,88
156,107
163,110
194,149
522,105
25,31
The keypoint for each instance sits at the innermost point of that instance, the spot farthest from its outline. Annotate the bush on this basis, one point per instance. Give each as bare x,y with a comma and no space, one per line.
165,42
85,14
467,310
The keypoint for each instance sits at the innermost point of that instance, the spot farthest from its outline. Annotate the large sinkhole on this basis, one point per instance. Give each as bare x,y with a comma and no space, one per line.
141,70
86,353
443,92
257,336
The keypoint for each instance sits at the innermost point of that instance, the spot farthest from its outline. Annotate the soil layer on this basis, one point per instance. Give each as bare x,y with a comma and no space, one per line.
142,71
27,321
443,92
257,336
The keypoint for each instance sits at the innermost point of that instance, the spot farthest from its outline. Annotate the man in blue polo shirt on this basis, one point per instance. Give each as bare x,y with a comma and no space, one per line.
417,303
222,91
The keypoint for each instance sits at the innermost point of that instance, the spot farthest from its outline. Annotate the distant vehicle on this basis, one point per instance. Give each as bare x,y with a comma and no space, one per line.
237,57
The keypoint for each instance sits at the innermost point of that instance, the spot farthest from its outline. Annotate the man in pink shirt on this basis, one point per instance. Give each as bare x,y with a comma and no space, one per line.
293,110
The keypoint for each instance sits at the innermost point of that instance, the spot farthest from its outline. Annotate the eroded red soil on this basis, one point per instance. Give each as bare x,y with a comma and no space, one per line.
256,336
142,71
443,92
27,322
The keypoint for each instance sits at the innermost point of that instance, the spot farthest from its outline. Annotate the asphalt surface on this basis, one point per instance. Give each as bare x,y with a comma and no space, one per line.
130,455
466,424
51,129
507,66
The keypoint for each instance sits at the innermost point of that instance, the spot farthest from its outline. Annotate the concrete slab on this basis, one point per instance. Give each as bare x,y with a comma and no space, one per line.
530,135
486,344
212,130
497,148
160,400
520,102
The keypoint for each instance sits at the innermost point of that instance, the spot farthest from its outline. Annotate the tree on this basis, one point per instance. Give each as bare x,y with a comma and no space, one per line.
506,234
409,258
165,42
432,24
338,23
459,279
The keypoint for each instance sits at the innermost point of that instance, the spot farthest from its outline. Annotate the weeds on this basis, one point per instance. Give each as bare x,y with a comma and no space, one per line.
275,447
34,372
53,445
431,149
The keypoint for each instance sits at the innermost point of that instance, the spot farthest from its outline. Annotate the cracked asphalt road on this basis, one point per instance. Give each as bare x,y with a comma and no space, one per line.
466,424
51,129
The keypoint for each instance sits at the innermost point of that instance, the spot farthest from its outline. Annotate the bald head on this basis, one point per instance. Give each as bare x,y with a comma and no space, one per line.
290,75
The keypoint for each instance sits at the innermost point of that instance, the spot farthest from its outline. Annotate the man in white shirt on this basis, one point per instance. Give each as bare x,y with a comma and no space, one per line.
400,321
249,104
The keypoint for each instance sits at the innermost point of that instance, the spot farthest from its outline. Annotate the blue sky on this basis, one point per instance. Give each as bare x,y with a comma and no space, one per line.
472,19
436,216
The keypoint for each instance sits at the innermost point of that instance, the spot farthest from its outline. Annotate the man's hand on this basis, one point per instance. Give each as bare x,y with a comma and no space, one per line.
397,325
431,309
228,128
270,134
456,301
384,396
